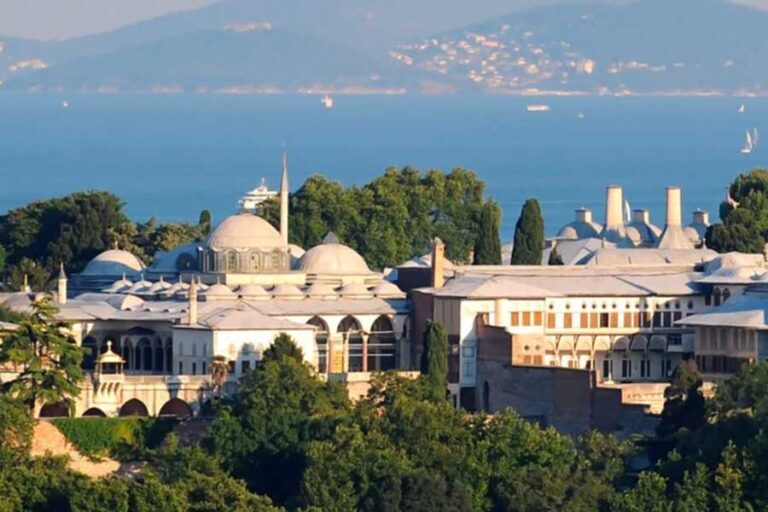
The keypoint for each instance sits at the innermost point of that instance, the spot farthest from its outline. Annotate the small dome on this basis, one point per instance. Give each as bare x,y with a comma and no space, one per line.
175,288
159,286
322,291
119,286
139,287
114,262
252,292
218,291
387,290
287,291
694,235
569,233
332,258
354,291
244,231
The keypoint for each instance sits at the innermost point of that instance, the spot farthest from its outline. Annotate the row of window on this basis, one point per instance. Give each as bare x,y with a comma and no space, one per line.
637,305
721,364
720,339
659,319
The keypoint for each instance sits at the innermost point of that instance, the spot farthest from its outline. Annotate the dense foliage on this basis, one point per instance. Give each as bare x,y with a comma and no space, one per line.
488,244
36,238
393,218
115,437
743,228
529,235
434,364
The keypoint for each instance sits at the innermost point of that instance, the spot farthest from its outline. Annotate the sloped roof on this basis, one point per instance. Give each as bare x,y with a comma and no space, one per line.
747,311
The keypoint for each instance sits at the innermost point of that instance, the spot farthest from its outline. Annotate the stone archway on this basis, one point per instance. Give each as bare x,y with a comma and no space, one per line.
176,407
94,412
134,407
57,410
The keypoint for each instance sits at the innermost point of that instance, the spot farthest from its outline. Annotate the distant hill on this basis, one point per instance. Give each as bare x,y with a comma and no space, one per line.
649,46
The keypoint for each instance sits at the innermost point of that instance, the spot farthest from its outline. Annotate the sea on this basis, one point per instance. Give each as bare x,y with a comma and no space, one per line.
170,156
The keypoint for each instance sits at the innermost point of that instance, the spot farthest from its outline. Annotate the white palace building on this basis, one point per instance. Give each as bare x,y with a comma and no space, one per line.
586,344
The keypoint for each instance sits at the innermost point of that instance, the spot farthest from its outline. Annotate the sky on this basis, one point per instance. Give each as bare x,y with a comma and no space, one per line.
61,19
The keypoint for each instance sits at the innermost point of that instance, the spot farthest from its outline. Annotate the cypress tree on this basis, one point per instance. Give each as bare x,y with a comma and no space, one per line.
555,258
205,221
529,235
434,362
488,244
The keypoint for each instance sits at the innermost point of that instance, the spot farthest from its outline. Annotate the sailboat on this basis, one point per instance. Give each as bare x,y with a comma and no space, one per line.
327,101
742,108
749,145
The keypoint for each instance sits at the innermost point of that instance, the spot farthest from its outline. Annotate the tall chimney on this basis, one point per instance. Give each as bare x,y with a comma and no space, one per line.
193,302
701,217
614,207
674,206
62,285
641,216
584,215
284,201
438,263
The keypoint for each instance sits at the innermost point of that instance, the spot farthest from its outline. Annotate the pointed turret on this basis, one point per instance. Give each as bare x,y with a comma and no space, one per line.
284,201
62,285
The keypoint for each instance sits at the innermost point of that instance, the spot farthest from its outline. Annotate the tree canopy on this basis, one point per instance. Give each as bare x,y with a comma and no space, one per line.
488,244
529,235
743,228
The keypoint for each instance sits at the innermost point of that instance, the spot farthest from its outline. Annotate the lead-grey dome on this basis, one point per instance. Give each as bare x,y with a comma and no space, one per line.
114,262
244,231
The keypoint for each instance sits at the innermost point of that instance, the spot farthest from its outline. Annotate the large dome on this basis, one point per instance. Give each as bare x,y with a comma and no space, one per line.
115,263
334,259
244,231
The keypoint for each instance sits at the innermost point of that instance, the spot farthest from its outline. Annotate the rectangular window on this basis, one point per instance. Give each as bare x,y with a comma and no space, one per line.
551,321
194,368
606,369
614,320
205,368
604,320
675,339
645,368
538,360
231,366
677,316
468,369
708,300
515,319
584,320
644,319
668,367
629,319
667,319
567,321
245,367
626,369
181,368
537,320
657,319
526,318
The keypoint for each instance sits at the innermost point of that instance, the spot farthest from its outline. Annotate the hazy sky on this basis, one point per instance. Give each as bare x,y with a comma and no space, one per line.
58,19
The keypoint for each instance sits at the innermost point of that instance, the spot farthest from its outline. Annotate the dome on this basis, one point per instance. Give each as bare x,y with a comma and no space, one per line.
219,291
244,231
386,290
176,287
159,286
569,233
252,291
334,259
322,291
119,286
114,262
287,291
139,287
354,291
694,235
581,229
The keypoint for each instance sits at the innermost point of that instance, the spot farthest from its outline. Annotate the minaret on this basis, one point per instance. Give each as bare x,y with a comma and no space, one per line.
284,201
62,285
193,302
25,287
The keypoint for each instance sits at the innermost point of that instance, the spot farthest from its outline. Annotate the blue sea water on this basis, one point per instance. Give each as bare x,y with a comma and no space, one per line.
170,156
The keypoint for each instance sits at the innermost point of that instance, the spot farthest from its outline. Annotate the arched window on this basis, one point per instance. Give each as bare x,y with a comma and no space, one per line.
128,355
718,297
321,339
231,261
143,359
352,332
255,261
159,362
276,260
382,349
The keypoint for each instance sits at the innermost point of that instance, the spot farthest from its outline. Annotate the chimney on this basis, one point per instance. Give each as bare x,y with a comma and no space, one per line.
25,288
62,285
641,216
193,302
614,207
701,217
674,206
438,263
584,215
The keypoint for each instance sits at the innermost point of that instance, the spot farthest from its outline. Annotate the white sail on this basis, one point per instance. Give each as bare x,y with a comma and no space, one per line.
749,144
742,108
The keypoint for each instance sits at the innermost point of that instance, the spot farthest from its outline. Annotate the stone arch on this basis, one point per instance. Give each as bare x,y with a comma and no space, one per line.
602,344
321,340
91,347
639,343
620,344
351,329
381,350
658,343
94,412
134,407
176,407
56,410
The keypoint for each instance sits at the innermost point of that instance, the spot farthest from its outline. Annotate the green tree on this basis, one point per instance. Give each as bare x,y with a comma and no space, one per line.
46,356
555,258
648,495
488,245
36,276
529,235
435,360
205,222
16,426
283,346
684,406
744,228
693,494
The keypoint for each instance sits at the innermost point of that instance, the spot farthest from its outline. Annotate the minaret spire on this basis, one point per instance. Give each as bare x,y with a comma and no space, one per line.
284,200
62,285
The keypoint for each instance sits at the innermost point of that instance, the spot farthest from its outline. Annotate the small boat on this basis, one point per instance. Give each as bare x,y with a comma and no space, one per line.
65,104
327,101
538,108
749,145
742,108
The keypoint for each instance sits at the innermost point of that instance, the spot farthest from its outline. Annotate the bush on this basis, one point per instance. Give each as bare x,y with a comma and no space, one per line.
117,437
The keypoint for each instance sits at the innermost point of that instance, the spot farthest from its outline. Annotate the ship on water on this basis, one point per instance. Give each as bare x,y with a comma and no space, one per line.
253,198
327,101
538,108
